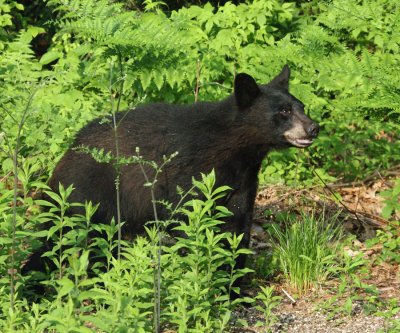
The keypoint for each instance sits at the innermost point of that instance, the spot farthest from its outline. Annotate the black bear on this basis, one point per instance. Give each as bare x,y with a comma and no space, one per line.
232,137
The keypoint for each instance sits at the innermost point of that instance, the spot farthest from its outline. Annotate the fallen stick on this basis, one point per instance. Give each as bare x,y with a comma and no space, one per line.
288,296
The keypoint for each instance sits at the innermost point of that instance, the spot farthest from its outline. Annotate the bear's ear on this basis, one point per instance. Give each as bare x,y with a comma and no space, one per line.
282,79
246,90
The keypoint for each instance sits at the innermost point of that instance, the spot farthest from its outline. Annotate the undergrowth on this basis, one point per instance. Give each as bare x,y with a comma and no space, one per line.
198,274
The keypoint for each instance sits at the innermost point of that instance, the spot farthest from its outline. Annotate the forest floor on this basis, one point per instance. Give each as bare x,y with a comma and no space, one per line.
359,207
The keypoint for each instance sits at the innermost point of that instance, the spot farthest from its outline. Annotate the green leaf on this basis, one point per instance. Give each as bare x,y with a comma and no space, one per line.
145,79
7,165
158,80
49,57
34,31
66,286
348,305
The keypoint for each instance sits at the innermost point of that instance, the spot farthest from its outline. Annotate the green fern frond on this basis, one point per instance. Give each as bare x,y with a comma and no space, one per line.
128,34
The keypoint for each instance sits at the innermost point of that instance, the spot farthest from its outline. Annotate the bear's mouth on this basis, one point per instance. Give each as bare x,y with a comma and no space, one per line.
299,142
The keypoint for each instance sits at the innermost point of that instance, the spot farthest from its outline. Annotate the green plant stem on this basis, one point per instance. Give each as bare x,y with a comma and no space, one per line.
15,195
157,272
116,141
61,242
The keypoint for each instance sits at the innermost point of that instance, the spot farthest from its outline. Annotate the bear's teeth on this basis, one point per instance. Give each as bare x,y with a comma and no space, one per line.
304,141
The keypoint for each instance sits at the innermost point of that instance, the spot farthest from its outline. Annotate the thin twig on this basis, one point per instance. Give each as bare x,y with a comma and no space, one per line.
116,141
198,72
15,195
157,273
288,296
5,177
336,197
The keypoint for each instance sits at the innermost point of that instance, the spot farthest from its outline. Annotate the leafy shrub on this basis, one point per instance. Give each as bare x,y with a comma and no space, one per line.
352,270
371,24
269,303
389,238
198,273
392,203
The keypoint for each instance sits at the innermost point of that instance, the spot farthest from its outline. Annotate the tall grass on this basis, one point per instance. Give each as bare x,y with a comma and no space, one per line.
307,250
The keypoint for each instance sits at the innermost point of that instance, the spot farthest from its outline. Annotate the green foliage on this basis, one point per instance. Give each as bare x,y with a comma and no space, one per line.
229,39
306,250
347,81
364,24
269,303
7,10
392,325
392,201
389,238
195,283
69,233
348,86
46,107
352,269
193,265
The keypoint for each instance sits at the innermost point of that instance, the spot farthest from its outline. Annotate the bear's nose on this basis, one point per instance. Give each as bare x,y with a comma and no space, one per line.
313,130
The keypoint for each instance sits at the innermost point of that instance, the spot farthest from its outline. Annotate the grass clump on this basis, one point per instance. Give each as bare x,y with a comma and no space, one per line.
306,250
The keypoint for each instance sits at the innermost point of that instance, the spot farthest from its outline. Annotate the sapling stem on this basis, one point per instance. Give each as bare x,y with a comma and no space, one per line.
12,270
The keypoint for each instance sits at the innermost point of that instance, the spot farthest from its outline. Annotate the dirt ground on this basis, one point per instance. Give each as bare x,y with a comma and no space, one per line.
359,206
303,318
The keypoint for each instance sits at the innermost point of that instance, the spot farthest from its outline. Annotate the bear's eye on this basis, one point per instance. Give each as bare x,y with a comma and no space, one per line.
286,110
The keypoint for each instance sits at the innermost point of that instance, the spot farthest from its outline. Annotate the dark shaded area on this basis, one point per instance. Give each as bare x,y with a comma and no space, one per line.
37,14
177,4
